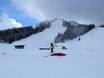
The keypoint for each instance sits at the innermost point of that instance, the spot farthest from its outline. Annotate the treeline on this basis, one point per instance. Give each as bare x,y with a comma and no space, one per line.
11,35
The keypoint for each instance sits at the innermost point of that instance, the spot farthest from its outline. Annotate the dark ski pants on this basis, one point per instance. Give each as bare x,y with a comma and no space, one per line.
52,50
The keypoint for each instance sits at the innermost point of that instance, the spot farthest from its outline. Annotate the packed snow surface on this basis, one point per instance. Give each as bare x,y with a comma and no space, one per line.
84,58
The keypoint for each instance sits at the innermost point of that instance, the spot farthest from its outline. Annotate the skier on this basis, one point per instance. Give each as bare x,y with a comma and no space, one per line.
52,45
79,39
64,48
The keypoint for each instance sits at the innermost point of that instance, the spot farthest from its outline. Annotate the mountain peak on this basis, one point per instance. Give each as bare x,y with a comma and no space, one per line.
73,23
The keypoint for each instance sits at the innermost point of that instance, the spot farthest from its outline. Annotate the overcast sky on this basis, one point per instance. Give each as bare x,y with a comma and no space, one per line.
82,11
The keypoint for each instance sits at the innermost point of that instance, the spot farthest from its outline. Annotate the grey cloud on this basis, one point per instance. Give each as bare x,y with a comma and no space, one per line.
83,11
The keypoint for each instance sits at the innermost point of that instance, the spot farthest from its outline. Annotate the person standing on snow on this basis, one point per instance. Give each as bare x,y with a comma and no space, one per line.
52,45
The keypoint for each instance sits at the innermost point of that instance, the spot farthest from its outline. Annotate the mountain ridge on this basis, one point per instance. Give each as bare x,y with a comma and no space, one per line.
64,30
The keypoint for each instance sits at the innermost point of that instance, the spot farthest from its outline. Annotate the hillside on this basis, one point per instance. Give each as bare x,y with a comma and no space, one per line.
62,29
85,58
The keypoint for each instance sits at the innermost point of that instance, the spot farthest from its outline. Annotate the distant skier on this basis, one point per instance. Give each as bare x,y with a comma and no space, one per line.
52,46
64,48
79,39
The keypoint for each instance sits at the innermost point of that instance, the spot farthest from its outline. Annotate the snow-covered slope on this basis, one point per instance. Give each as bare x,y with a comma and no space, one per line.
85,58
43,39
